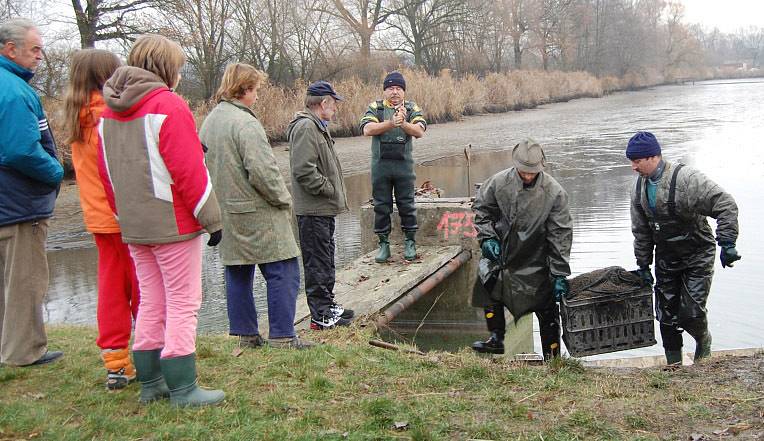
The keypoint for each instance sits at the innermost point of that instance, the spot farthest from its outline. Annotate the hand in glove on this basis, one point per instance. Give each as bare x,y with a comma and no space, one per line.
215,238
729,254
491,249
560,288
646,275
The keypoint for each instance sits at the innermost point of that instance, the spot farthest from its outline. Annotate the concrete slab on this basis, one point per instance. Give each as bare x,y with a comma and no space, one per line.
368,287
660,360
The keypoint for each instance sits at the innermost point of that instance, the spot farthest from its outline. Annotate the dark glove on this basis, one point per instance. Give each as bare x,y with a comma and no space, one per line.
215,238
491,249
729,254
560,288
646,275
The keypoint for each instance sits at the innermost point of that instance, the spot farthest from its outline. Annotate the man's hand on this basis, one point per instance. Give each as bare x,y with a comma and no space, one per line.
560,288
646,275
728,254
491,249
399,117
215,238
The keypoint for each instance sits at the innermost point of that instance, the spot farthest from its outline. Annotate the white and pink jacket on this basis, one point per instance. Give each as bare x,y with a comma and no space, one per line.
151,162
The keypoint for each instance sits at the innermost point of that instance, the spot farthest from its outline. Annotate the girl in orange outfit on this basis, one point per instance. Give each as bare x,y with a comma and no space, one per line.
117,283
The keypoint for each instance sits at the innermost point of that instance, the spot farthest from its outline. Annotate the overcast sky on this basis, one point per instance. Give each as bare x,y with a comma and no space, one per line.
727,15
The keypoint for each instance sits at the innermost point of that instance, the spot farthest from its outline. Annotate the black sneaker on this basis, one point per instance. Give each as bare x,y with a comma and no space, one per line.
339,310
491,346
251,341
328,322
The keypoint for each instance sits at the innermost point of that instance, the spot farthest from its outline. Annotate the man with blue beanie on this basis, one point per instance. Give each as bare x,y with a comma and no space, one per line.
30,175
392,123
669,207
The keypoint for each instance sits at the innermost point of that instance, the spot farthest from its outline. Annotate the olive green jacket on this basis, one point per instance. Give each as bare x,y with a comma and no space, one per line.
317,183
535,230
696,197
255,203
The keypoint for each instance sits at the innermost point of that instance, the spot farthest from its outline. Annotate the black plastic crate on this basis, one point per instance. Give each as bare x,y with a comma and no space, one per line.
601,322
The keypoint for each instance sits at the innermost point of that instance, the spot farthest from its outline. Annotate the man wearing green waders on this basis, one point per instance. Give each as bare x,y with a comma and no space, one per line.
669,205
392,123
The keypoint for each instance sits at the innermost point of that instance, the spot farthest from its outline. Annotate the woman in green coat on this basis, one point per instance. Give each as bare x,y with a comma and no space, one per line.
257,212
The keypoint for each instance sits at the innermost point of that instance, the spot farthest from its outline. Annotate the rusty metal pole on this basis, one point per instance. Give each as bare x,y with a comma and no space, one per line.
423,288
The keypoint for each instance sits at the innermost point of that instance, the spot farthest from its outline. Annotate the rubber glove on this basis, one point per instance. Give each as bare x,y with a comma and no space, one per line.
491,249
215,238
728,254
560,288
646,275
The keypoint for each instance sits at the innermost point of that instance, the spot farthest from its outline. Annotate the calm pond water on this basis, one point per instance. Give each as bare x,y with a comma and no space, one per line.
717,127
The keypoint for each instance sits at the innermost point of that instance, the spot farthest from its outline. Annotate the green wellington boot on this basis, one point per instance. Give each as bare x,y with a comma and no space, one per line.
674,358
180,374
703,347
409,245
384,249
149,373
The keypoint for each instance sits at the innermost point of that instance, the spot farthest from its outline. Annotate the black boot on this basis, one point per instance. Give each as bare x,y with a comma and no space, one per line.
494,319
549,328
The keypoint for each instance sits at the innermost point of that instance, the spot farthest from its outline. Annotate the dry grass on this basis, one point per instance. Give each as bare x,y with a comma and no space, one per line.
443,98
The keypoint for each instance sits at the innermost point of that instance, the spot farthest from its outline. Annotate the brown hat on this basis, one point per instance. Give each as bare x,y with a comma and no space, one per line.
529,157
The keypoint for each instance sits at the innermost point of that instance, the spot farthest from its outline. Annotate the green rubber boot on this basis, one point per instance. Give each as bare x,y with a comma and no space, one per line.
180,374
409,245
149,373
384,249
674,358
703,347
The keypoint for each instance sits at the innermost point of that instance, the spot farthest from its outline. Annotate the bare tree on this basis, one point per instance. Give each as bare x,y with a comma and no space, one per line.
363,17
423,25
101,20
200,26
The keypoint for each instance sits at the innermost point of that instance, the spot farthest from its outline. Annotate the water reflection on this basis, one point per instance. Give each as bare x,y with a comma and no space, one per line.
717,128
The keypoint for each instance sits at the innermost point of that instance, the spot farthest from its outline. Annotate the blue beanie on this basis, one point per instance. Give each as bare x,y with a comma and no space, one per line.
394,78
643,145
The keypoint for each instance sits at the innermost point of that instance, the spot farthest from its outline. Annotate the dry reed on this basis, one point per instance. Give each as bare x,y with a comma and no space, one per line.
442,98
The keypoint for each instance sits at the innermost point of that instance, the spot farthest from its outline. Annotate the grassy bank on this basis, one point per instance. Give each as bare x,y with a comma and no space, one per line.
346,389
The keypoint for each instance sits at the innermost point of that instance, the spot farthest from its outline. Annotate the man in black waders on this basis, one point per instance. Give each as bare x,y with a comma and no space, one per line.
525,233
392,123
668,213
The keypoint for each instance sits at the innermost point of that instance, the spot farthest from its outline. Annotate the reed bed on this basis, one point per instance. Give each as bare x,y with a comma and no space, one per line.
442,98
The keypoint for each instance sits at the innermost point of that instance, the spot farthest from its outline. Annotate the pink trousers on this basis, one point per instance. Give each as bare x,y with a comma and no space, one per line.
170,280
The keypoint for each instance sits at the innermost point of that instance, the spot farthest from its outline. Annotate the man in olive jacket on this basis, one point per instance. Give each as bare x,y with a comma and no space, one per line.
668,215
319,195
524,227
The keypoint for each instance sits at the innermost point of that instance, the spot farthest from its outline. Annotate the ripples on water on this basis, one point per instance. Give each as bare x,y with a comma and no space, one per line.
717,128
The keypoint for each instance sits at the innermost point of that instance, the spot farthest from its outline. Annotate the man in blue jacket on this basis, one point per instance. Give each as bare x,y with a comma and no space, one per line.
30,175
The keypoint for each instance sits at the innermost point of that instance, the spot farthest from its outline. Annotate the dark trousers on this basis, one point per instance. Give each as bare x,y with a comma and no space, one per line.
681,292
317,245
390,177
282,280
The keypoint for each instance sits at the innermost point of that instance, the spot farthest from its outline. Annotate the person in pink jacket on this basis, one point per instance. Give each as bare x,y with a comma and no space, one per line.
152,166
117,283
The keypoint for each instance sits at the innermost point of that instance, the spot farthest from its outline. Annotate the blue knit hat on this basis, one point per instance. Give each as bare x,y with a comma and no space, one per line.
394,78
643,145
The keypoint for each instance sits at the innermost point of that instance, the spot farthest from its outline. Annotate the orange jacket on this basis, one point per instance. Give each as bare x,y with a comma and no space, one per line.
95,208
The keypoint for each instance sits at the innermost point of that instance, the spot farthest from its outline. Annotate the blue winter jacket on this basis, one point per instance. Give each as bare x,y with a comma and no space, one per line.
29,169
